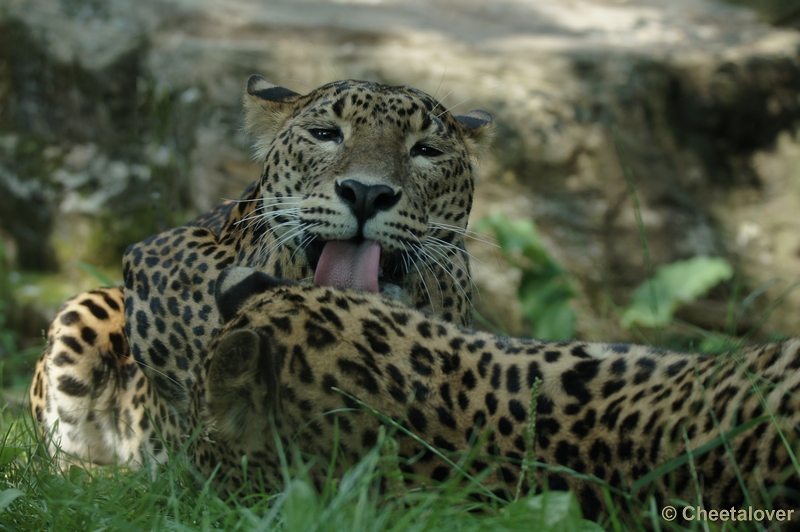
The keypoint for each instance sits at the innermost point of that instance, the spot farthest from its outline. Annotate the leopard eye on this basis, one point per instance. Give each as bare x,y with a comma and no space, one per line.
328,135
423,150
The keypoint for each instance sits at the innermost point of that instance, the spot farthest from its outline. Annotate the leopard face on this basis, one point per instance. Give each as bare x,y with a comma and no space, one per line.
372,185
296,368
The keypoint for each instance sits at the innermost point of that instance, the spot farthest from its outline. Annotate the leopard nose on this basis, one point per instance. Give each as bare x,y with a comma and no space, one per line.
366,200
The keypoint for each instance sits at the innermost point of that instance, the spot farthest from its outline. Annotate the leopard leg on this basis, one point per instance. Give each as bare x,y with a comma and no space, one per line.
91,398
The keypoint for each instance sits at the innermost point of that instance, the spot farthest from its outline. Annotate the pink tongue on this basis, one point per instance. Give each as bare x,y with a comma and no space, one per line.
347,265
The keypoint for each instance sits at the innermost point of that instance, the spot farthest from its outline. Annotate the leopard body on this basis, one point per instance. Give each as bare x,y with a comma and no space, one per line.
306,374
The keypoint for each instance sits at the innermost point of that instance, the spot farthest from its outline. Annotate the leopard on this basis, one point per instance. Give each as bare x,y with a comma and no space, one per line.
318,376
363,185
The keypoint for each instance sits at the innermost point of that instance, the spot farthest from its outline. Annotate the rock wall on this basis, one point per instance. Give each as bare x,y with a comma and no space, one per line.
120,118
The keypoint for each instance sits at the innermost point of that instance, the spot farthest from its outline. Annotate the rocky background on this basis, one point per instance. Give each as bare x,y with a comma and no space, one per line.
119,119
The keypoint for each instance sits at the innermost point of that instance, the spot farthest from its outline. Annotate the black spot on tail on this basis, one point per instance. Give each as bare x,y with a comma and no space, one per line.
111,303
88,335
63,359
72,343
70,317
118,343
98,311
71,386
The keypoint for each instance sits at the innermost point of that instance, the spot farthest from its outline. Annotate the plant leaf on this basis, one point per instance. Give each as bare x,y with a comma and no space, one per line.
552,511
8,453
8,496
545,288
654,302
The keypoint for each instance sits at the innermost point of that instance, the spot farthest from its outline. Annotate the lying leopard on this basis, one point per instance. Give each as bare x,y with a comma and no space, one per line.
293,365
364,185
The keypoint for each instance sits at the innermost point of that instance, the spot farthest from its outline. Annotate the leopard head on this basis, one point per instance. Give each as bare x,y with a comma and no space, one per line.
367,186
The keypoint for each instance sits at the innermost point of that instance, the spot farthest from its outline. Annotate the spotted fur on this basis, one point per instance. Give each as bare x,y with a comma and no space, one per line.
412,160
291,370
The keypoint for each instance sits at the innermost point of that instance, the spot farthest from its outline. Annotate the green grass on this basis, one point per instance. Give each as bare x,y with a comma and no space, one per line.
35,495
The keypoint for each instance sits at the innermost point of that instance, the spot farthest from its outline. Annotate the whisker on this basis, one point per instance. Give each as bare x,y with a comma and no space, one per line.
240,200
472,257
438,103
300,81
260,198
271,213
267,248
292,233
276,203
445,257
466,100
440,86
454,106
428,250
415,263
474,235
263,220
457,228
261,216
163,374
472,260
307,238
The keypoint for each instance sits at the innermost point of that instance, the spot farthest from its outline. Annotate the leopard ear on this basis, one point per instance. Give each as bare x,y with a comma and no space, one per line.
240,388
260,88
236,285
476,120
478,129
266,107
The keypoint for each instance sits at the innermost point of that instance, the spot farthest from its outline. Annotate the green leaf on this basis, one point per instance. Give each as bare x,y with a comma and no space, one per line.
301,507
77,474
545,288
654,302
8,496
545,303
558,324
517,237
552,511
8,453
